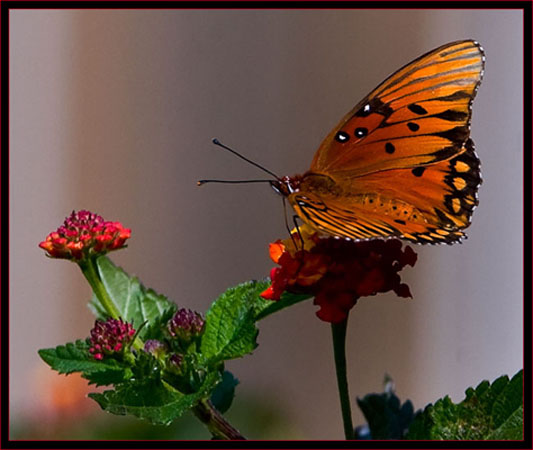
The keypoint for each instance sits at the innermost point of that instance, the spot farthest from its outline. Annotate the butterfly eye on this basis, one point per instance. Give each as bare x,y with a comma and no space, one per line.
342,137
361,132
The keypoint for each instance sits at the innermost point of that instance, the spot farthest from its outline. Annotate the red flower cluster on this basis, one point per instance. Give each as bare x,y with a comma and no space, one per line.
84,234
337,272
110,337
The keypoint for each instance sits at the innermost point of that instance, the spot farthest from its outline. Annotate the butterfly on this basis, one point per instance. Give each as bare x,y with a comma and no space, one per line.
401,162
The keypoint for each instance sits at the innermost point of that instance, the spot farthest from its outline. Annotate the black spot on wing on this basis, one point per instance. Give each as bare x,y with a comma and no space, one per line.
418,171
342,137
417,109
459,95
364,111
389,148
374,105
361,132
452,116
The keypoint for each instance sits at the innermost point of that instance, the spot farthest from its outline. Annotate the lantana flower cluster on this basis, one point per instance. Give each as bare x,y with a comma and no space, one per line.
176,351
110,337
84,234
335,271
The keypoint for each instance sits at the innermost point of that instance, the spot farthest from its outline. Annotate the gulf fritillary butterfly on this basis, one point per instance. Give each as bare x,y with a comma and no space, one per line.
401,162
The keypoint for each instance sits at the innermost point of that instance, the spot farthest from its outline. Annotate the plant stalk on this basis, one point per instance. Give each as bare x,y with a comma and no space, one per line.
90,272
215,422
338,331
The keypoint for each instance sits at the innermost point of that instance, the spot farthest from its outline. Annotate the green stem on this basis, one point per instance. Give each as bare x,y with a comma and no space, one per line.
90,271
338,331
215,422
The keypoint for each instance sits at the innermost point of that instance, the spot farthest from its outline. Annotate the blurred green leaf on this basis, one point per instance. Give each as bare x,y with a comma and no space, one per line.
222,396
490,411
387,418
153,400
75,357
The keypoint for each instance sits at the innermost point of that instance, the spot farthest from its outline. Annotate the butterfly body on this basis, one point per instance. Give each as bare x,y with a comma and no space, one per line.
401,163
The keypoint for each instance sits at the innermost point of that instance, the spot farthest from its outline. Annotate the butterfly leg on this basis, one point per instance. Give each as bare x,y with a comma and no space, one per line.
287,223
294,217
294,221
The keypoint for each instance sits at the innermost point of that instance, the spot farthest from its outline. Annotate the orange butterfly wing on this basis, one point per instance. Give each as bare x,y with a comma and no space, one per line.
401,162
428,204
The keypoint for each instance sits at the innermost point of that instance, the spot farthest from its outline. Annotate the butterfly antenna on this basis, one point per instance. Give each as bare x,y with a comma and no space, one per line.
225,147
200,182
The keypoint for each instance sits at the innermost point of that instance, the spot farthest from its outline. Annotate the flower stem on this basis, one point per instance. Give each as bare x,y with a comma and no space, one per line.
216,424
338,331
89,270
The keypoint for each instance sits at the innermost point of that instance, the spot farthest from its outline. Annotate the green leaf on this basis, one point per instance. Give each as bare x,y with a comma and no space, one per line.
156,328
490,411
134,302
511,428
230,331
387,418
222,396
153,400
509,401
229,324
75,357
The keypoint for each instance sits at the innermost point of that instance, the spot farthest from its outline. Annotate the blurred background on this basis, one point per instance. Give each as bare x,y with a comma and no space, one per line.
114,111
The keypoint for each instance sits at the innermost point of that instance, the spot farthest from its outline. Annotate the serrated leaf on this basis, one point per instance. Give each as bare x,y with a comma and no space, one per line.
230,331
134,302
511,428
75,357
490,411
222,396
151,400
229,324
509,400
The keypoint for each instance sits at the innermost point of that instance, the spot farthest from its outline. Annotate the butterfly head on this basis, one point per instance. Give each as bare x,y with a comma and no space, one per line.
286,185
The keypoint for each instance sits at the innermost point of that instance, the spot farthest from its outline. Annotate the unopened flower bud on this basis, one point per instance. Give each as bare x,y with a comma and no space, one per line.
186,325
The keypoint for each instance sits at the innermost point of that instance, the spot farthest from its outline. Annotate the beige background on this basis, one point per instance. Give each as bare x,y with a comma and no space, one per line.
114,111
